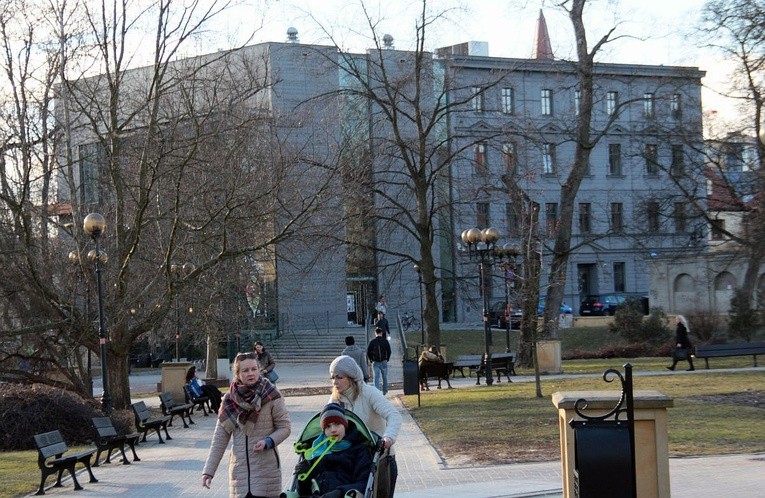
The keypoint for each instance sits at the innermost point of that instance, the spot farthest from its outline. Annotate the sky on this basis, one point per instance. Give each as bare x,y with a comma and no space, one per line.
654,31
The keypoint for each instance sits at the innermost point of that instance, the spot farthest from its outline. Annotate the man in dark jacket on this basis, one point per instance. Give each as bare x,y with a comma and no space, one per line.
378,352
382,322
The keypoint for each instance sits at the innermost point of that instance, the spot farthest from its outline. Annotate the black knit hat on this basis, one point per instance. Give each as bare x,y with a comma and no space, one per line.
333,413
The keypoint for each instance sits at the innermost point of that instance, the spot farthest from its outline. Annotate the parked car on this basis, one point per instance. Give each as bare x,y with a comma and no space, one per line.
564,308
498,316
601,304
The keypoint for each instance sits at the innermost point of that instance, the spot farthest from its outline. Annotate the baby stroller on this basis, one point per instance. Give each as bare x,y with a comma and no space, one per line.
378,483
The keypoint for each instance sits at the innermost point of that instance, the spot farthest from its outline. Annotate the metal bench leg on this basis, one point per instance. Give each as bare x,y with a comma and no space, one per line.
90,471
167,434
132,442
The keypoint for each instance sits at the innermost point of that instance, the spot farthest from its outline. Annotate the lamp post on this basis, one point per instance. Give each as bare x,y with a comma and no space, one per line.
480,245
422,309
94,226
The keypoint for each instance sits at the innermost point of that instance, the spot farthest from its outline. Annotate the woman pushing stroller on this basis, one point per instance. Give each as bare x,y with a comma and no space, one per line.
337,464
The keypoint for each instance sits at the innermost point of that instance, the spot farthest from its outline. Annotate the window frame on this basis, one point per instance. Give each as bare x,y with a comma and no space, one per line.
546,102
676,106
480,158
476,100
649,105
653,222
617,217
620,276
510,157
651,159
680,218
615,159
612,102
507,100
585,217
482,215
677,165
548,159
551,218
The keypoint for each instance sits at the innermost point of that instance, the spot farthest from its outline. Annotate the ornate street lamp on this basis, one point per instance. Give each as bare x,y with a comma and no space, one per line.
94,226
480,245
422,315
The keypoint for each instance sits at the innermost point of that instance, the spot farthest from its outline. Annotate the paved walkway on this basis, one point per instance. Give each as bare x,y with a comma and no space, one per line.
174,469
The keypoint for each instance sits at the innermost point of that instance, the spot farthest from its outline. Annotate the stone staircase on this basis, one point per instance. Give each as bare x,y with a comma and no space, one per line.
314,346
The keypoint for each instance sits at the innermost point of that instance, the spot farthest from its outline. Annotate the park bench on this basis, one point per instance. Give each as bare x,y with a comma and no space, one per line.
173,409
203,401
144,423
108,440
707,351
470,361
500,363
439,370
51,459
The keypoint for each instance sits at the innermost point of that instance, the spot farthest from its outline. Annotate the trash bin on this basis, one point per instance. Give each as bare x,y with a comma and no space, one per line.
411,381
603,465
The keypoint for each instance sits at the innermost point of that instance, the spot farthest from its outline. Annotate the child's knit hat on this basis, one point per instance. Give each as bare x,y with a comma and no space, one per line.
333,413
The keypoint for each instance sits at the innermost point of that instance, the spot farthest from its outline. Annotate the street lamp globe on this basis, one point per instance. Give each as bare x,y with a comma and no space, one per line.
94,224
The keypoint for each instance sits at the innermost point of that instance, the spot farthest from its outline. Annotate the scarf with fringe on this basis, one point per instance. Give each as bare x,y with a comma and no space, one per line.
242,404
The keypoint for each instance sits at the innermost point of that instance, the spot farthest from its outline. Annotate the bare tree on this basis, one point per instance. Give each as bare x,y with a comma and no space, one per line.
185,162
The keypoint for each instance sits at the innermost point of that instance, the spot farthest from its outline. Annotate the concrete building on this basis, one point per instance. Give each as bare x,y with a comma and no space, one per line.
516,119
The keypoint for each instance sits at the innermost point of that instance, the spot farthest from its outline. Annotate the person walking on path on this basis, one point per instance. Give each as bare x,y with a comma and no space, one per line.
197,390
380,307
378,352
355,352
253,411
382,323
369,404
682,350
266,362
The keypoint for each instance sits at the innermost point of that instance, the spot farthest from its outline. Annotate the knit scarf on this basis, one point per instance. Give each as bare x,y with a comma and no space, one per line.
241,405
321,445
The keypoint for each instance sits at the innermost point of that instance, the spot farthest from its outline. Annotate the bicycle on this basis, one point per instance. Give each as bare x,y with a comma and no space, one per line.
409,322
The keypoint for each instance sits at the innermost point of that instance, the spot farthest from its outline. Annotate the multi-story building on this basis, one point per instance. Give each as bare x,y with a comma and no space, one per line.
517,119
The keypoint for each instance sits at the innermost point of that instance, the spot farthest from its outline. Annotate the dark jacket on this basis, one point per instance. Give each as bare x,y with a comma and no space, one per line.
378,349
383,324
681,336
347,469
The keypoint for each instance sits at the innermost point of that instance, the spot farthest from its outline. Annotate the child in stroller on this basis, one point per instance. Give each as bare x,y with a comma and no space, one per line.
338,462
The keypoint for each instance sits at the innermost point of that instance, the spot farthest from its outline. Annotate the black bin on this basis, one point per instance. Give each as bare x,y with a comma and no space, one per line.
603,466
411,382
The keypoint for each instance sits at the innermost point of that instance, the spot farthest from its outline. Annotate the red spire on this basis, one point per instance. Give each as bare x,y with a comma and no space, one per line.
542,49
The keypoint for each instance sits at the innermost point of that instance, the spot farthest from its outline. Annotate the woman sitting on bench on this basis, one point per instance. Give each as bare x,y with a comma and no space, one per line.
197,390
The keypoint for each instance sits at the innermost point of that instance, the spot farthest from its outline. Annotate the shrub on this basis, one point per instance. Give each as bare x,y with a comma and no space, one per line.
26,410
705,324
635,328
634,350
742,319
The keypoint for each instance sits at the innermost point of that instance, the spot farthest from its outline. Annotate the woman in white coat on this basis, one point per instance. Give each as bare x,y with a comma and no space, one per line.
368,403
253,413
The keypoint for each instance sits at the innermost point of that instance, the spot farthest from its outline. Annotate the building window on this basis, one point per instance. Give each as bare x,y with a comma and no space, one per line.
617,217
678,161
92,161
675,106
479,157
585,217
718,228
620,276
508,100
651,159
476,101
548,159
652,214
551,218
615,159
547,102
482,214
509,157
649,106
577,102
612,103
513,220
679,216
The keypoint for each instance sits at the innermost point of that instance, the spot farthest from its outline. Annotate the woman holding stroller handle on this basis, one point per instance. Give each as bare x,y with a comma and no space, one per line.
253,411
368,403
